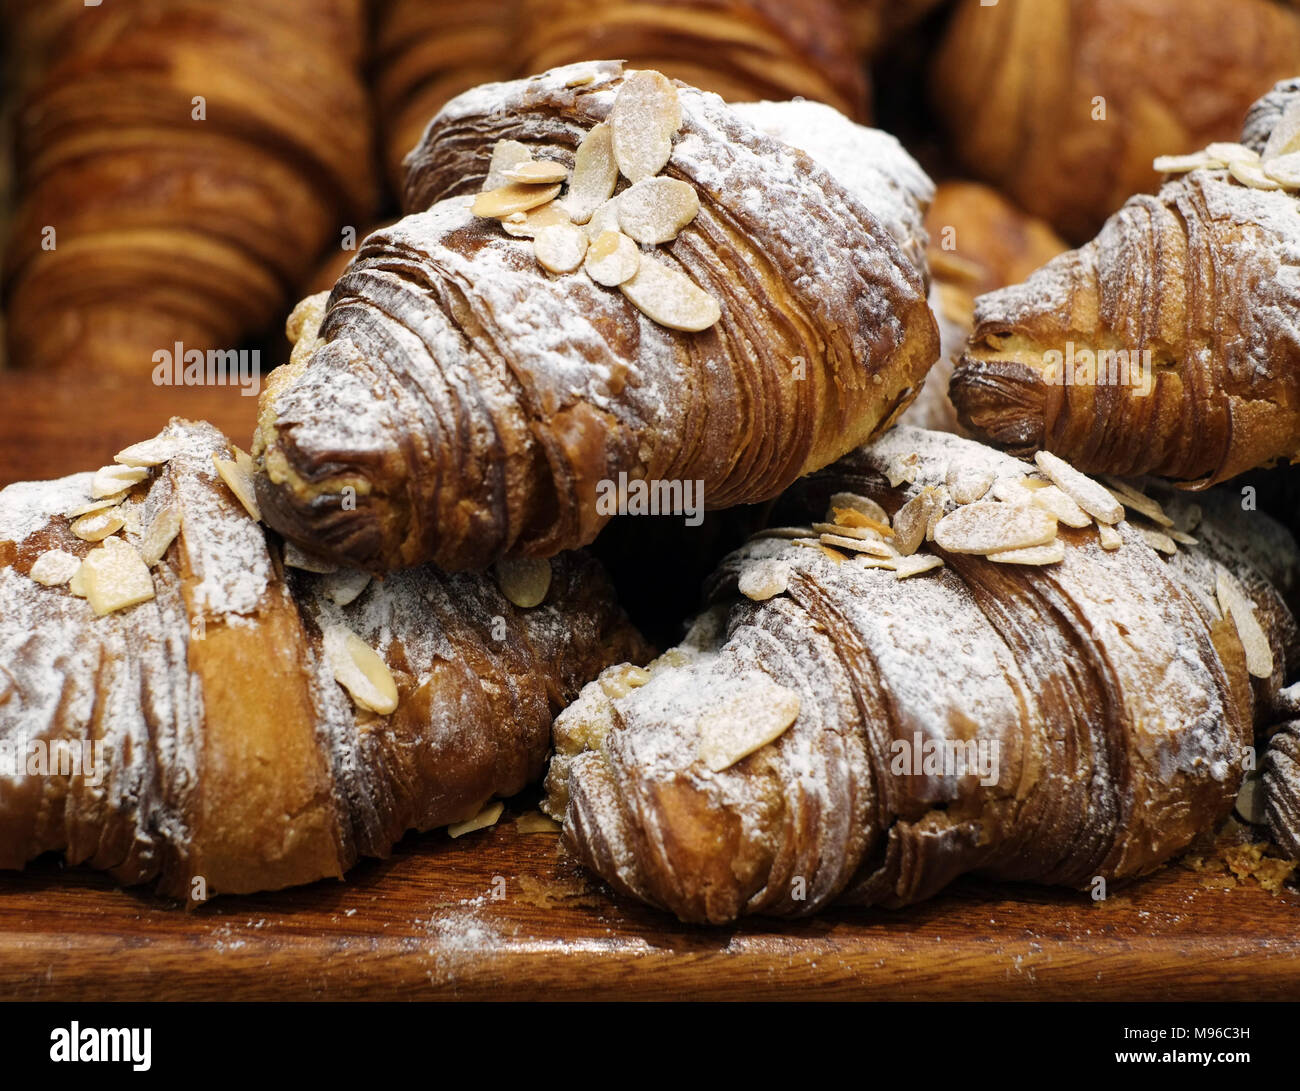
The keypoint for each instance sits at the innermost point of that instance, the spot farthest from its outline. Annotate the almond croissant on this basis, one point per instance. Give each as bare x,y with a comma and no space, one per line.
464,400
189,708
860,717
1170,344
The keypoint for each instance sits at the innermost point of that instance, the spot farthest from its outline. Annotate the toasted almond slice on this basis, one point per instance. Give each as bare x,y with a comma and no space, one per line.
112,480
93,505
911,521
488,816
506,156
907,567
114,577
561,248
852,519
612,259
874,547
1285,137
756,711
1091,496
1251,802
670,298
647,112
1052,499
992,526
98,525
654,210
1252,175
621,680
1182,164
1156,539
536,172
1111,538
524,580
605,218
864,505
160,535
1053,553
529,224
1285,170
764,579
831,554
890,564
967,484
1138,502
294,557
149,452
903,468
784,533
595,174
1181,538
1232,153
240,482
496,204
536,822
54,567
863,533
1236,604
345,586
360,670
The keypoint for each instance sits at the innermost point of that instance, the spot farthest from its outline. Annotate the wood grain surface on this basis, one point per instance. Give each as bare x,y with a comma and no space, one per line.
428,923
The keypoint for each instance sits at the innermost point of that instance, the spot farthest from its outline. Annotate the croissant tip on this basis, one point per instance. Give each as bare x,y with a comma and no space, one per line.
1002,402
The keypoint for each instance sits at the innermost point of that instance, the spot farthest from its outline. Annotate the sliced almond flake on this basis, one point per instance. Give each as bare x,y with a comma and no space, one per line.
595,174
1285,137
754,713
1182,164
966,484
536,172
160,535
1252,175
1285,170
561,248
580,80
77,585
902,468
1251,802
647,112
345,586
1052,553
1053,500
1156,539
864,532
524,580
535,822
612,259
1181,538
1091,496
832,554
670,298
1236,604
874,547
149,452
619,681
907,567
1138,502
791,533
294,557
54,567
115,577
654,210
488,816
911,521
937,511
1111,539
92,506
1232,153
764,579
992,526
852,519
240,482
111,480
98,525
863,505
360,670
527,225
506,156
496,204
605,218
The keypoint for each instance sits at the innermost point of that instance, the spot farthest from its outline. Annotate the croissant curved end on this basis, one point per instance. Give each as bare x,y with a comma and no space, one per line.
1001,401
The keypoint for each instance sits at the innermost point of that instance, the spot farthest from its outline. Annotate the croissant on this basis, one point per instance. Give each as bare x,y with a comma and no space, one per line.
473,394
178,705
181,166
1169,344
875,24
859,717
979,241
1063,104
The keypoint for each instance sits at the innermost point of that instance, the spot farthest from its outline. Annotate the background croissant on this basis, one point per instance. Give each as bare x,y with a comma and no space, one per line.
229,748
755,768
1197,288
461,403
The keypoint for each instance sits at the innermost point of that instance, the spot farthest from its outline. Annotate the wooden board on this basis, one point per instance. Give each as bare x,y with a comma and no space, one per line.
427,923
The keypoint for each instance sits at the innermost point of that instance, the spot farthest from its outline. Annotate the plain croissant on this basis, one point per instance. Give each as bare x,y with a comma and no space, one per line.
463,402
1170,344
176,704
861,717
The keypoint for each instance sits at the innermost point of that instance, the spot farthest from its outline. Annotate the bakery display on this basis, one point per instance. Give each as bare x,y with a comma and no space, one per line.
180,168
195,704
1064,103
1168,344
604,288
974,664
